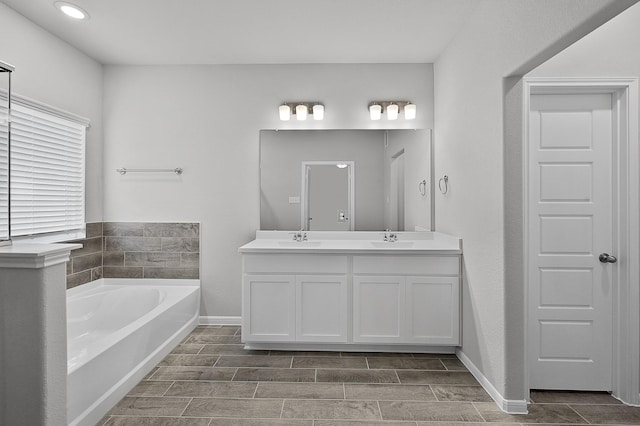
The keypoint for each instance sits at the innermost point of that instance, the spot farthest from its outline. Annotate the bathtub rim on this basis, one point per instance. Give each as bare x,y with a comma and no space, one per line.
83,288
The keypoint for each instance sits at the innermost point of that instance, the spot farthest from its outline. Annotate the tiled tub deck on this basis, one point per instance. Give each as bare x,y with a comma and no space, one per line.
210,380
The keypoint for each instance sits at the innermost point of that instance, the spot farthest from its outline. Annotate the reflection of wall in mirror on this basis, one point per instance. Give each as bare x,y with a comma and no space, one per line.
281,155
414,146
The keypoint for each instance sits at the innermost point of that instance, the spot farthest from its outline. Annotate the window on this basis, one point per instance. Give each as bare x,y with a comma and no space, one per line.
47,173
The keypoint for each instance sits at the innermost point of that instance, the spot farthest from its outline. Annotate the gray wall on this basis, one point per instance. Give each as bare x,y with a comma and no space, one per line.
50,71
207,120
281,154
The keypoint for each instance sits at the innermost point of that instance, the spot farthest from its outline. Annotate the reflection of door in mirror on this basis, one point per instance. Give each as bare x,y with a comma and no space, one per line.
396,193
327,197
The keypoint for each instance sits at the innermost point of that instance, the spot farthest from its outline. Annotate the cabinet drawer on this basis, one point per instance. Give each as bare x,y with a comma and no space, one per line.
407,265
295,263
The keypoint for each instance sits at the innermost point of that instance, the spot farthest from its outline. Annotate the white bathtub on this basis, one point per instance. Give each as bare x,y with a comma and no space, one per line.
117,331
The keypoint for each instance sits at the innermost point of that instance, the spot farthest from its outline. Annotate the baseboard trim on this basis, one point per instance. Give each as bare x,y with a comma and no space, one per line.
214,320
510,406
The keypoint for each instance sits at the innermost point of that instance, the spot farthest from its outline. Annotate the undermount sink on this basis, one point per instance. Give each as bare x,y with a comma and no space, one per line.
299,243
392,244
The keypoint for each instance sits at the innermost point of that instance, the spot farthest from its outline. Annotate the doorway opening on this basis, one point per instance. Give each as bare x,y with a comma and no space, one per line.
327,202
581,235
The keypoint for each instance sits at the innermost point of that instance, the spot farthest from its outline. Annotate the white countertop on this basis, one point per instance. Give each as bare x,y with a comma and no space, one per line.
353,242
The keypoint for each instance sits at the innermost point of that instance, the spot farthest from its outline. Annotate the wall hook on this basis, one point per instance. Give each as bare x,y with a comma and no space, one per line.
443,184
422,187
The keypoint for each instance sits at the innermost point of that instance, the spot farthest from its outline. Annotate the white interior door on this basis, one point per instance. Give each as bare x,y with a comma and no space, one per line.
570,225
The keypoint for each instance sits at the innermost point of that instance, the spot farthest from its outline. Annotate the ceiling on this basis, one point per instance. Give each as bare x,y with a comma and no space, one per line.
145,32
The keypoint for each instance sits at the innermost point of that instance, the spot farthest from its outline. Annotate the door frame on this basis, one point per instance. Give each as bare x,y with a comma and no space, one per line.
626,215
304,190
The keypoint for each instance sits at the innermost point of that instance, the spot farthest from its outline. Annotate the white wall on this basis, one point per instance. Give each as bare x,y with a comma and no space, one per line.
609,51
48,70
502,38
207,119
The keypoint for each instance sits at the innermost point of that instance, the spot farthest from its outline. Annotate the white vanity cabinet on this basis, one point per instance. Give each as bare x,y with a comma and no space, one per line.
294,298
406,299
341,300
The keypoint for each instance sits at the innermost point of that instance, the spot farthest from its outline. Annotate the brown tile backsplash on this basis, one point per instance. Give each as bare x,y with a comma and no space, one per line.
136,250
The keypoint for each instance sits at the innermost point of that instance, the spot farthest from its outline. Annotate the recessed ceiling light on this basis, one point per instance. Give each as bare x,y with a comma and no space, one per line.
71,10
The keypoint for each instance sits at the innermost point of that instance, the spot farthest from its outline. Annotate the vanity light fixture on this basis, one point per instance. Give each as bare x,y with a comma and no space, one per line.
318,112
410,111
392,112
375,111
301,110
392,109
71,10
285,112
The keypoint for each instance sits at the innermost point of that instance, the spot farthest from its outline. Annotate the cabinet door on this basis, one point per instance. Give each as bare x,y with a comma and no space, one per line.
433,310
321,308
268,308
378,309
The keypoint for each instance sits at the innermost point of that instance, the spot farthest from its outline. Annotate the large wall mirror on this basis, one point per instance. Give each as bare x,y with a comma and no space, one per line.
359,180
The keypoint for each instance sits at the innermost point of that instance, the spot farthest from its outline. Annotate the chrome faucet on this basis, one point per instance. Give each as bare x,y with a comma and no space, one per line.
390,236
300,235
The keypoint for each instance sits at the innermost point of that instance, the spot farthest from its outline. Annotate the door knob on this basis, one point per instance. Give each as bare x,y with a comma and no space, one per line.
607,258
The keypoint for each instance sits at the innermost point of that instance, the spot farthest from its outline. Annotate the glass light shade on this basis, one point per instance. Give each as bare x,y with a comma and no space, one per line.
409,111
392,112
301,112
318,112
375,111
285,112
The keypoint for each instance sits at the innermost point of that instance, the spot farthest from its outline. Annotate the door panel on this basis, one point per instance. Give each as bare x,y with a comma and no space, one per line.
321,308
378,309
570,304
269,308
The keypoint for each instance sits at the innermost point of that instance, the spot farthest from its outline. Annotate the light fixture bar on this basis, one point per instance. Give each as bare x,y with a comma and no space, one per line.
301,110
392,109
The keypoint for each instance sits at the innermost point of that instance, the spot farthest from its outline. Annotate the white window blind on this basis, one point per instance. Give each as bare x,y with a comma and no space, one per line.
47,175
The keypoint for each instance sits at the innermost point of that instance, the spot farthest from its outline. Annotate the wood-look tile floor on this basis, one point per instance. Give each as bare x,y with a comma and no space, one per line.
210,380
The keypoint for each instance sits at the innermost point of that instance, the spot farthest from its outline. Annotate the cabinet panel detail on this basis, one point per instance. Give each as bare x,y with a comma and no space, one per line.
378,309
407,265
295,263
321,308
433,310
268,311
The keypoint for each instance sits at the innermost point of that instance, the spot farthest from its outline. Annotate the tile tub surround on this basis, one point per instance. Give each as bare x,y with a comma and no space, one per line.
210,380
85,264
136,250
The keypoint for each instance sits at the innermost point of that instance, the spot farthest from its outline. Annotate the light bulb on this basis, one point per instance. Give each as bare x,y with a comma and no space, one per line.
285,112
392,112
318,112
409,111
375,111
301,112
